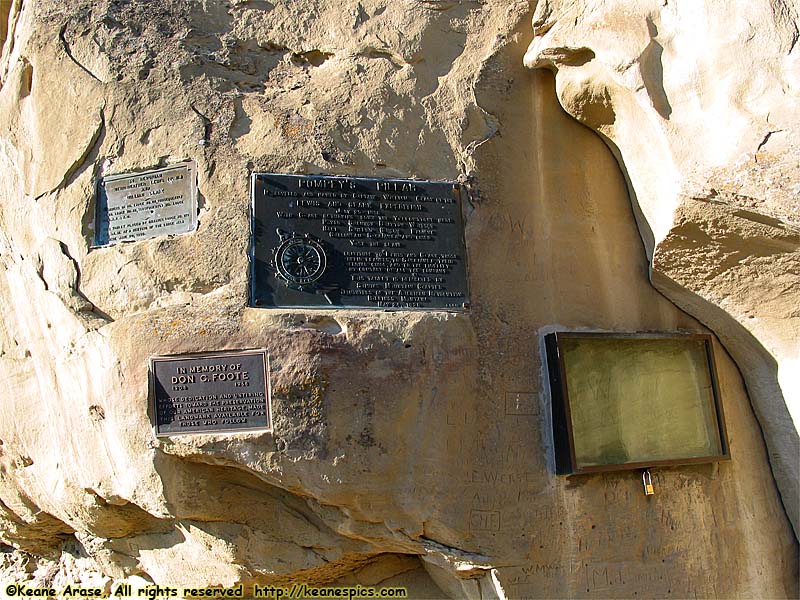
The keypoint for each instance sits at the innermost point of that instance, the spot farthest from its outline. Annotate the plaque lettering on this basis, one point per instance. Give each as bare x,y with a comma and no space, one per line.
210,392
138,206
354,242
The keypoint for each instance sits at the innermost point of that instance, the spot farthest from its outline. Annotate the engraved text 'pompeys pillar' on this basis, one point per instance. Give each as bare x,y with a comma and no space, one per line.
357,242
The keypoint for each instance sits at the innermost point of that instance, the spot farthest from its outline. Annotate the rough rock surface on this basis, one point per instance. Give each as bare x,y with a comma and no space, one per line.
701,106
395,458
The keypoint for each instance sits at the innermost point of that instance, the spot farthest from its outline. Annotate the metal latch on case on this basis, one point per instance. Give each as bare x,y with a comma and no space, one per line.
647,482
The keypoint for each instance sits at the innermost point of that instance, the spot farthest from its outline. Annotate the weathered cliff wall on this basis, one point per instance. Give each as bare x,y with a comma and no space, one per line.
395,457
700,106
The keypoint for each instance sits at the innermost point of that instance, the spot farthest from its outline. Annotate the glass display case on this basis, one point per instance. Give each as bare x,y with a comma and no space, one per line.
627,401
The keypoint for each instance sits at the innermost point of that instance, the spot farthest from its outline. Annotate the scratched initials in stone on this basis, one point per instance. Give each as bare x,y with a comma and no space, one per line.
484,520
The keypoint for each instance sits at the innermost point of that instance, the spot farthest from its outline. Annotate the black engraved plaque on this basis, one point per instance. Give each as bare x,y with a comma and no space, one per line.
215,391
357,242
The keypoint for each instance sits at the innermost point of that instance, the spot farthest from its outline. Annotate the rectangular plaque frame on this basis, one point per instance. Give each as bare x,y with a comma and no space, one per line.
151,203
386,244
261,356
562,424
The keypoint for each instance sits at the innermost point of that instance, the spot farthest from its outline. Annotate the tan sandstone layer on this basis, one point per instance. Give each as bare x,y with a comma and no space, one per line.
394,457
700,106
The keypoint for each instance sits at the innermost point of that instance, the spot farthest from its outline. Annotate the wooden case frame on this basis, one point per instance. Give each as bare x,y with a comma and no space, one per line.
563,435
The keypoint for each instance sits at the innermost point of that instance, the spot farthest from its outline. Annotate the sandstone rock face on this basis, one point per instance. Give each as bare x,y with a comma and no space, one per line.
701,109
394,458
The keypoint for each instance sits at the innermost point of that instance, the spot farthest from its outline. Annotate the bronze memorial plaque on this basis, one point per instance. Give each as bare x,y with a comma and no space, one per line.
356,242
210,392
138,206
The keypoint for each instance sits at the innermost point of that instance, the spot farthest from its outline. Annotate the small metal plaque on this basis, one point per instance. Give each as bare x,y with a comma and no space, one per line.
356,242
139,206
210,392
